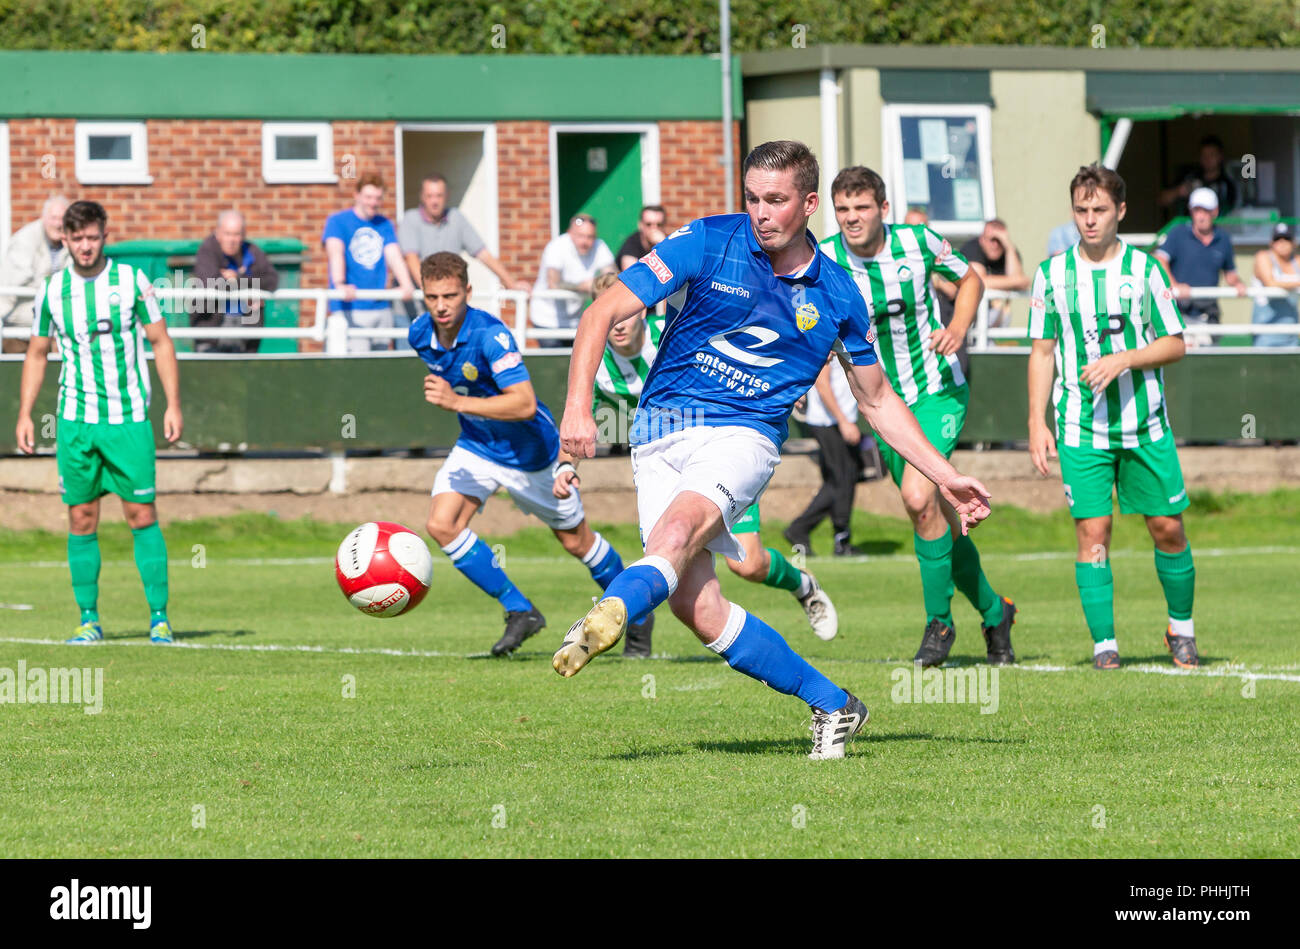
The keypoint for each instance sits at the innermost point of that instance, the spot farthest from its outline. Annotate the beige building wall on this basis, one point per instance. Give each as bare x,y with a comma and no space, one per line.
783,107
861,127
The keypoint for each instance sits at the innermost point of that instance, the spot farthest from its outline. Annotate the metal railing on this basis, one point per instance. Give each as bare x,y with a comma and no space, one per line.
333,333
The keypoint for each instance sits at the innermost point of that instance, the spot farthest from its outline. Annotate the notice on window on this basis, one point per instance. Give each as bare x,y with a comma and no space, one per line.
934,140
967,199
916,181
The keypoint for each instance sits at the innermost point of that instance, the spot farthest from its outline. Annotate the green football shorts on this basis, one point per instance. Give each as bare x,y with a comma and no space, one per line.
941,417
97,459
748,522
1149,477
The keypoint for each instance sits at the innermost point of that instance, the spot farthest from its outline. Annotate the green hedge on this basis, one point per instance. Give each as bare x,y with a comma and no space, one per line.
630,26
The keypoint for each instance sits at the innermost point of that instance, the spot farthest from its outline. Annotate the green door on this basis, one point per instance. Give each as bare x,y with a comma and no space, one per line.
600,174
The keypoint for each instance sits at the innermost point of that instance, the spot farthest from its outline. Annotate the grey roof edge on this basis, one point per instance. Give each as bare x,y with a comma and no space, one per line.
1083,57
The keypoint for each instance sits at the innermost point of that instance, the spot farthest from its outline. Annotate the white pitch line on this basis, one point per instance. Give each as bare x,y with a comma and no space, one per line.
880,558
1237,672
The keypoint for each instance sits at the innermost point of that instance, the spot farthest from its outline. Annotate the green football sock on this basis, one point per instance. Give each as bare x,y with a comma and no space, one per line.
83,563
935,557
151,561
969,578
781,573
1177,575
1097,593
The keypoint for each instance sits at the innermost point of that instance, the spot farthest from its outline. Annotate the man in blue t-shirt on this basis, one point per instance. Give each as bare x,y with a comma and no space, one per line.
361,248
1193,255
507,440
754,309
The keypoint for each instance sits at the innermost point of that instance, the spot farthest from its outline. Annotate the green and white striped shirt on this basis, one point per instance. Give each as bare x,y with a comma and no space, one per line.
97,322
621,378
1069,299
904,309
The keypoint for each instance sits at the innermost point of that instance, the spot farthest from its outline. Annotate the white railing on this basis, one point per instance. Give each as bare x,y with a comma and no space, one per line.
332,329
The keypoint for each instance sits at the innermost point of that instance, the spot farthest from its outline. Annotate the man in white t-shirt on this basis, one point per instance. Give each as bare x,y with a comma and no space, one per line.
569,262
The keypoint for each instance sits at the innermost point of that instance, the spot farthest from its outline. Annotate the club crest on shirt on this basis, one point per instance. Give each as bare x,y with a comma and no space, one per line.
904,272
871,335
469,371
114,298
806,317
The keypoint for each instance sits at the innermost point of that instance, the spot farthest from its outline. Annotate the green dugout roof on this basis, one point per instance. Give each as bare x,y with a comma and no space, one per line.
296,86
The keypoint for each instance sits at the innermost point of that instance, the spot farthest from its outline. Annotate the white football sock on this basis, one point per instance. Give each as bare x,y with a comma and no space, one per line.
1181,627
1106,645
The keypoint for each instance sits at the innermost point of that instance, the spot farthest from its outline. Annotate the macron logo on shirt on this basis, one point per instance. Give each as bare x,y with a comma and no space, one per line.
734,291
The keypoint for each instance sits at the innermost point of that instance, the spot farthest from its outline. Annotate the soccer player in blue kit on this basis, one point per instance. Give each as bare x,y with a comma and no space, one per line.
754,310
507,440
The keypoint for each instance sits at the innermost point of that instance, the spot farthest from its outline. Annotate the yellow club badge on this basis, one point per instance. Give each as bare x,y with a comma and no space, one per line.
806,317
469,371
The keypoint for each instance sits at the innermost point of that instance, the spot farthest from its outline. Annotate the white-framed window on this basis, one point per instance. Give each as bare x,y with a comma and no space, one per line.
112,153
938,159
298,153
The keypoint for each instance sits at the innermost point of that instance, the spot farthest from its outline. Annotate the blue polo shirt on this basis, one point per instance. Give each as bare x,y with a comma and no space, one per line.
740,344
1194,263
482,362
363,253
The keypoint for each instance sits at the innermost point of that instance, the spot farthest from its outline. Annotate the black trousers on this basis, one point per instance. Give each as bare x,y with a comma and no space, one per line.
840,464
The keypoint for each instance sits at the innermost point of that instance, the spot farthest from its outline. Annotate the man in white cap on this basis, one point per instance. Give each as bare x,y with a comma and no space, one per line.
1194,255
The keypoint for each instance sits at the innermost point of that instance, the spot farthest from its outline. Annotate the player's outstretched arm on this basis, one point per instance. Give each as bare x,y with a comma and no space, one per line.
578,427
38,355
1042,363
895,423
516,403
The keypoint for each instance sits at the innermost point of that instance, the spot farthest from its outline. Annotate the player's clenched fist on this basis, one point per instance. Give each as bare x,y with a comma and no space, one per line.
438,392
578,434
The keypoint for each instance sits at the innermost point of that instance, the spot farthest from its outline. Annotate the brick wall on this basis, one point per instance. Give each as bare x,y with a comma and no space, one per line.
524,195
692,182
199,168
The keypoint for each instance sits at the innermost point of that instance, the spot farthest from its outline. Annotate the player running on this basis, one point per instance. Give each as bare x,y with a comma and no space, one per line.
507,440
629,353
105,444
1108,308
892,266
755,315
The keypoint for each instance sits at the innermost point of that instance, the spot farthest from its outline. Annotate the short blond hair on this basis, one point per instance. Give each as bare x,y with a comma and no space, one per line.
603,282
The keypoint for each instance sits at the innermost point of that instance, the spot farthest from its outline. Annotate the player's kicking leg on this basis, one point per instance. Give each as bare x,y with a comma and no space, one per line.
599,557
766,565
947,558
675,548
448,524
1177,575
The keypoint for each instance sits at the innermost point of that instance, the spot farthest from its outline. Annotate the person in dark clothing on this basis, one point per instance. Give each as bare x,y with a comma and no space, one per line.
226,260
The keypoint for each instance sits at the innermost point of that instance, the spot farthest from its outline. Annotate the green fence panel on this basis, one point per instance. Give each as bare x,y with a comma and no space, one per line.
270,403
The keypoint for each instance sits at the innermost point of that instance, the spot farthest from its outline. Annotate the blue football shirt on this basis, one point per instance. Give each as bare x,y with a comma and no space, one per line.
482,362
740,344
363,253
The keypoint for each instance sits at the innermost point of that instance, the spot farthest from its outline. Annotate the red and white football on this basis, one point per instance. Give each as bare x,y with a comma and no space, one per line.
384,569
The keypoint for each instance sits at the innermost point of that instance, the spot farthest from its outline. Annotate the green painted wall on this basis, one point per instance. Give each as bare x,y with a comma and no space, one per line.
270,403
338,87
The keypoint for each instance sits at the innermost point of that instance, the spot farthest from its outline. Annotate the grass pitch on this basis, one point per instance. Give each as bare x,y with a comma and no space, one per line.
287,724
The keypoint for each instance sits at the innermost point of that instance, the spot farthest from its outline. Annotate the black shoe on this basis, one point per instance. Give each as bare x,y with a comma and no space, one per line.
1106,660
845,549
798,542
520,625
637,644
998,638
1183,649
935,644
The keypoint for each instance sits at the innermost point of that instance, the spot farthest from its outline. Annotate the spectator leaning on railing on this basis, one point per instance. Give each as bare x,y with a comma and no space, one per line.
35,251
1277,266
361,247
997,261
569,262
227,260
433,227
1194,255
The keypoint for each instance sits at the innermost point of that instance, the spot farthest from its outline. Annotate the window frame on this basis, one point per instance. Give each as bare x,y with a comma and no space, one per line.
286,171
892,115
104,171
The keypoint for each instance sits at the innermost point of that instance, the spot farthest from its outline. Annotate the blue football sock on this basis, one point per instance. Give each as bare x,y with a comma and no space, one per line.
474,558
604,562
751,646
643,586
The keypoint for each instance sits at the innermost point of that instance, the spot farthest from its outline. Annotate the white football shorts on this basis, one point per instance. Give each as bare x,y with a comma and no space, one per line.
730,465
476,477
